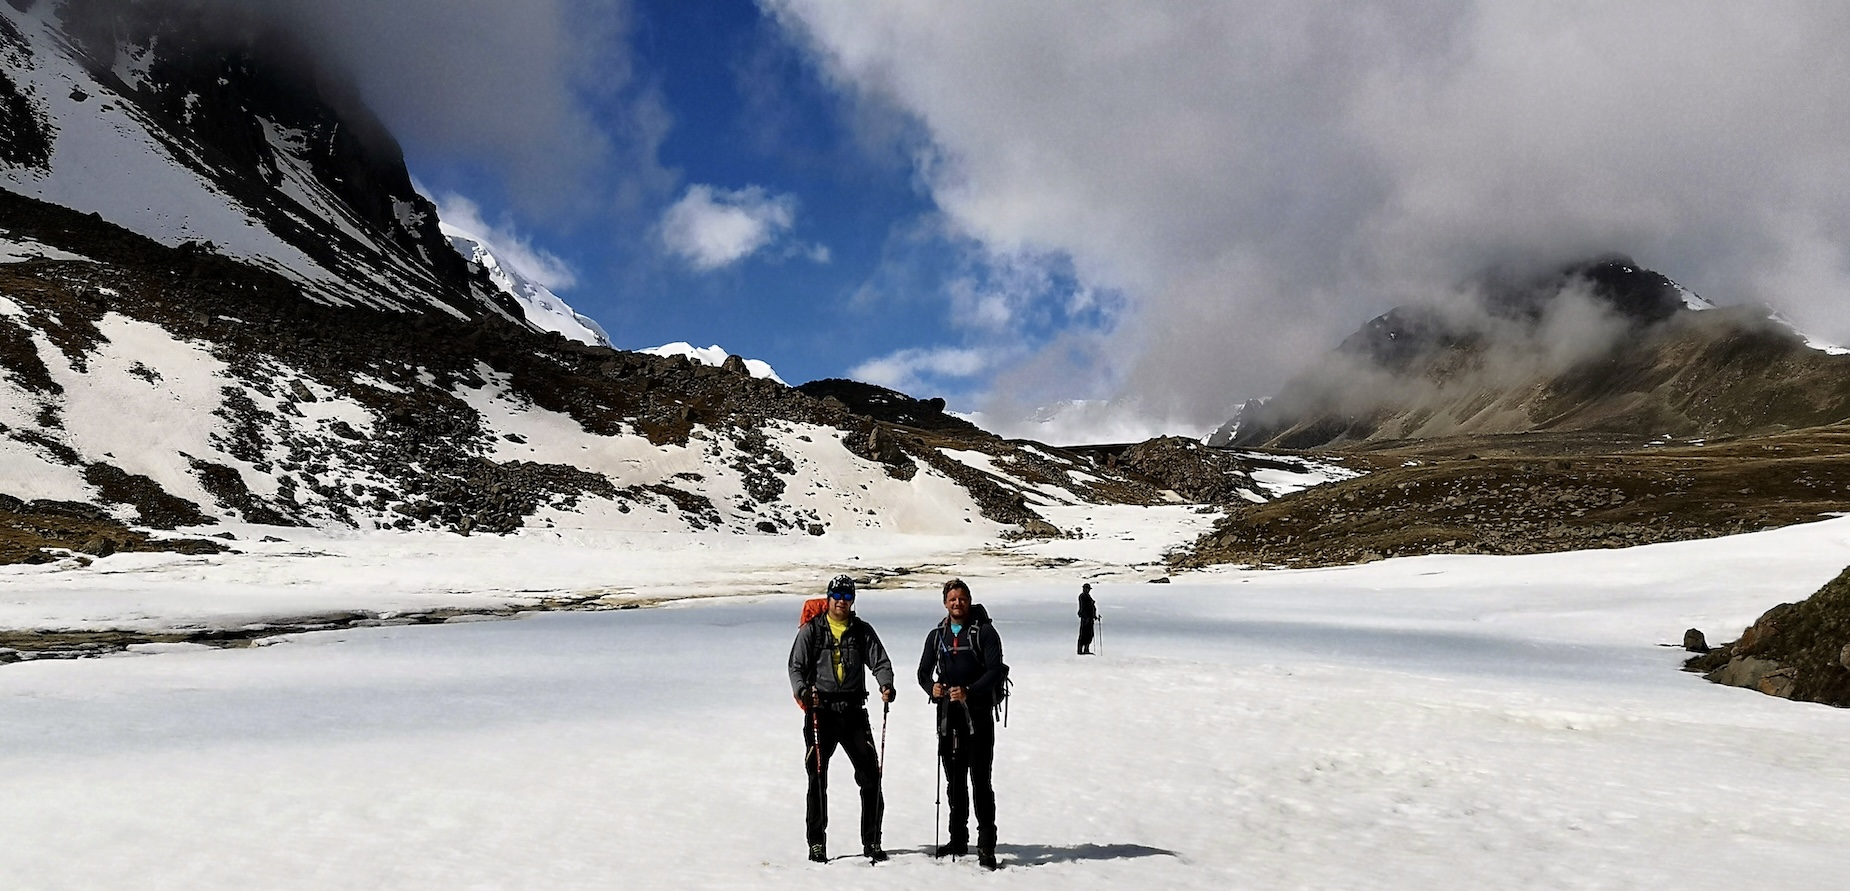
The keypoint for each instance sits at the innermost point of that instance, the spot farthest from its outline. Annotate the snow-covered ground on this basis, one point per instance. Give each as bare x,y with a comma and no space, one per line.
1441,722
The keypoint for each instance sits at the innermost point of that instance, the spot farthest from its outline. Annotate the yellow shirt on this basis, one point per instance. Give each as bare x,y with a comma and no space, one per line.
838,629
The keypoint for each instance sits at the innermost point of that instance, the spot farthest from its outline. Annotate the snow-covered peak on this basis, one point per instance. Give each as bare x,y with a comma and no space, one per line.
713,355
542,307
1691,299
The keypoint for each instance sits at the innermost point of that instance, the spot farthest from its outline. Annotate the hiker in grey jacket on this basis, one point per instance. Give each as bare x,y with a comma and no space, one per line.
828,663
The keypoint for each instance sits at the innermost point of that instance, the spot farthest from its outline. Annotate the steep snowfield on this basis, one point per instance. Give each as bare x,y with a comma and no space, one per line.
106,161
542,307
1421,723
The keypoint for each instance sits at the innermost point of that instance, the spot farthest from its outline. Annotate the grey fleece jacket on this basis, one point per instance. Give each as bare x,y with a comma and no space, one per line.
812,657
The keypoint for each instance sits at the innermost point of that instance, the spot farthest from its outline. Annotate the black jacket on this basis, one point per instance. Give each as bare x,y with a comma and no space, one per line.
971,659
812,658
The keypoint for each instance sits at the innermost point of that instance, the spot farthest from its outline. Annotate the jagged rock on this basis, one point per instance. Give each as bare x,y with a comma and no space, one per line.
735,364
1694,642
882,448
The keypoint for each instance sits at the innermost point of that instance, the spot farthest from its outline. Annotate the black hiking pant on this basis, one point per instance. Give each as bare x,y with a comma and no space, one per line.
1085,635
968,749
842,723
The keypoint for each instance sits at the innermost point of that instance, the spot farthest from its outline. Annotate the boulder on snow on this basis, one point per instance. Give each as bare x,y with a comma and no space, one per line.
1744,671
1694,642
1035,527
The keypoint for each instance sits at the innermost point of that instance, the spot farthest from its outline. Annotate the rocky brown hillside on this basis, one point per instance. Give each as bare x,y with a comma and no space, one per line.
1539,494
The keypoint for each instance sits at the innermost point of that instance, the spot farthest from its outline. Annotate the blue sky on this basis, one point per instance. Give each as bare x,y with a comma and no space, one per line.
851,259
1171,206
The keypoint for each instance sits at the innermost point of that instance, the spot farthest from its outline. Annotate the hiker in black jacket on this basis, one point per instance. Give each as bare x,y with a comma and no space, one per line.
1088,613
962,670
828,661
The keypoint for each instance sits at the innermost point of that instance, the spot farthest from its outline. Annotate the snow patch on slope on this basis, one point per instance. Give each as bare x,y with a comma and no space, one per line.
17,249
1279,482
1829,349
715,356
828,485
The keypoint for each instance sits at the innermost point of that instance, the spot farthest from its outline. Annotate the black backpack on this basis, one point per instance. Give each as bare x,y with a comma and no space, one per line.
979,617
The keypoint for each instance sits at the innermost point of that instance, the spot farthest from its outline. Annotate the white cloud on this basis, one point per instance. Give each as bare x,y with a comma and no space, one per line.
510,247
920,370
711,227
1259,178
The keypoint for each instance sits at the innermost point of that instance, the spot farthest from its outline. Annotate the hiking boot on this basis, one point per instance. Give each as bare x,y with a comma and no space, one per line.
818,854
987,857
874,854
954,849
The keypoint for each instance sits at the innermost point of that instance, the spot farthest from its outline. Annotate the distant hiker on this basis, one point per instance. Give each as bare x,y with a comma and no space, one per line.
962,669
1088,613
827,662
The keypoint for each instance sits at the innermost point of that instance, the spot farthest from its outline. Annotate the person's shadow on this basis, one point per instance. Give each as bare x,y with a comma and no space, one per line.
1041,855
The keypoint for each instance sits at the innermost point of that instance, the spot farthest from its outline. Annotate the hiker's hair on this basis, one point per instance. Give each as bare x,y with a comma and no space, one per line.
953,585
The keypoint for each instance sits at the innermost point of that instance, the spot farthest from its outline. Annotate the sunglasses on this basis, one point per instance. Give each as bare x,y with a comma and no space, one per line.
842,595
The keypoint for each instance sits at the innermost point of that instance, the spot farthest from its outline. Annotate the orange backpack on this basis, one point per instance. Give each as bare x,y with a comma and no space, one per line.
813,607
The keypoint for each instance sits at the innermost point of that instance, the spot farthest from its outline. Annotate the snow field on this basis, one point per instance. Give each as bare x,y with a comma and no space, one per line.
1434,722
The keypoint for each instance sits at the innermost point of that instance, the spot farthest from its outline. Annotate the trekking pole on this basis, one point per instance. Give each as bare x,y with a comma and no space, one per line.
937,793
884,708
815,729
1100,622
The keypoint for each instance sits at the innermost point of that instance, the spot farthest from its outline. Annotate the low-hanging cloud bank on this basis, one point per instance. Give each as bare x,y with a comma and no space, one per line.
541,91
1259,178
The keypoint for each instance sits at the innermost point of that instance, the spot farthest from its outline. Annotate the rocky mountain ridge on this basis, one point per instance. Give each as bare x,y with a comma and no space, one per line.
1601,347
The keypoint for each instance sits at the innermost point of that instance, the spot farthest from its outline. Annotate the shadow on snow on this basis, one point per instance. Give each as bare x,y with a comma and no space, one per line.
1041,855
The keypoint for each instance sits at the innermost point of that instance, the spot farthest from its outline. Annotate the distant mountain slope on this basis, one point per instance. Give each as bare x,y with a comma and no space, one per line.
191,122
1603,346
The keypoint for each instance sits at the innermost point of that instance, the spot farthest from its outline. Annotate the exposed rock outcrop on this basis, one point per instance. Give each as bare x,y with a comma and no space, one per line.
1793,651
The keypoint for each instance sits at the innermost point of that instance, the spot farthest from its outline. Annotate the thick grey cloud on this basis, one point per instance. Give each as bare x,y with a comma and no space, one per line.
541,90
1259,178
